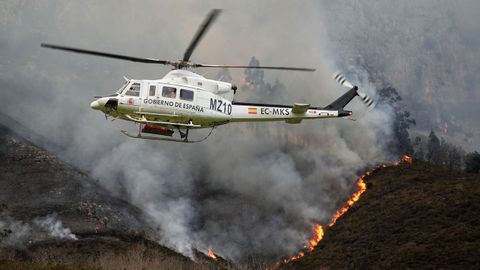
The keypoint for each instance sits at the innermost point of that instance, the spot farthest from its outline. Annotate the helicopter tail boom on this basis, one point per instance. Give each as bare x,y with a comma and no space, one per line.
255,112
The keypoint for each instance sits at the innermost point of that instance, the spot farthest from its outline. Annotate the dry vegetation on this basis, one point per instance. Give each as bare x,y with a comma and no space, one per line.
102,252
412,216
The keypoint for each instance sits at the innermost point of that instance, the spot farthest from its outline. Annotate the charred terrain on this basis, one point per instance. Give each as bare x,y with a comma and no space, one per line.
411,216
90,229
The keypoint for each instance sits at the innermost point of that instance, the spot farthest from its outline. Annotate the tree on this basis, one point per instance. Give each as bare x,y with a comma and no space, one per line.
418,147
433,149
400,127
389,95
254,76
472,162
259,88
401,142
450,156
454,157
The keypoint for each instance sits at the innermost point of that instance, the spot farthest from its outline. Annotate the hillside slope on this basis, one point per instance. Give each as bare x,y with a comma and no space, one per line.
411,216
53,216
36,183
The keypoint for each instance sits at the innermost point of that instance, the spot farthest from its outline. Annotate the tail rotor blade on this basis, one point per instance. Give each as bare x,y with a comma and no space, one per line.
337,76
369,102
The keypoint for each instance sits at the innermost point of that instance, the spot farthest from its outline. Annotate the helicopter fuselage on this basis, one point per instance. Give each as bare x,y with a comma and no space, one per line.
184,99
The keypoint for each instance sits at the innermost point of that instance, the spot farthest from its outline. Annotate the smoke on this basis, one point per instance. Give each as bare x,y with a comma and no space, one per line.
158,182
427,50
54,227
18,233
250,189
14,233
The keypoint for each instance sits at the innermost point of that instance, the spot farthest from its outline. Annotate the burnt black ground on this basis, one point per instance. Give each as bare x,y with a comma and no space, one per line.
111,232
414,216
36,183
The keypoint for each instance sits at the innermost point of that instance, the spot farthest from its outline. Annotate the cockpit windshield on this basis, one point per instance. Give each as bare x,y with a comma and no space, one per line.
133,90
120,90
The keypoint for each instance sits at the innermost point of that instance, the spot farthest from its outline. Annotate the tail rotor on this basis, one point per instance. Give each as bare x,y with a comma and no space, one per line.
369,102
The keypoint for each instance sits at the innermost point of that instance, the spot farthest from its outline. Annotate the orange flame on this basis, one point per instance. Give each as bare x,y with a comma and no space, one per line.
361,187
211,254
407,159
317,236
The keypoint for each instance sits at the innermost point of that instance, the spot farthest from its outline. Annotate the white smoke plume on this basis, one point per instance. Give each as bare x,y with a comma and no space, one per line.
54,227
250,189
19,233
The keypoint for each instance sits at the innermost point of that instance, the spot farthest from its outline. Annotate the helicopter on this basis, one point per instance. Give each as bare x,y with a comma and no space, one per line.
168,108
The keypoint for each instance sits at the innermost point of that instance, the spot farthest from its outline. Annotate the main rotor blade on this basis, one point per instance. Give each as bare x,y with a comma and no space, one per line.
200,32
109,55
255,67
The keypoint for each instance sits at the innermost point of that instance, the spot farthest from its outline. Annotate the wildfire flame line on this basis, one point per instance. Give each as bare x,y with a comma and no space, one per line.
211,254
361,187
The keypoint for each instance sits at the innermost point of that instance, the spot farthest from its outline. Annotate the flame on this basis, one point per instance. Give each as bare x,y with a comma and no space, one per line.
317,236
296,257
211,254
361,187
407,159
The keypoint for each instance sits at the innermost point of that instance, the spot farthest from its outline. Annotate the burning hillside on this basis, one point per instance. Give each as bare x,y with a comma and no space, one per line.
404,221
360,187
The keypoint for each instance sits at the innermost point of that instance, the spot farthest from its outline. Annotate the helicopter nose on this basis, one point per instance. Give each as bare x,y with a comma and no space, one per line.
95,105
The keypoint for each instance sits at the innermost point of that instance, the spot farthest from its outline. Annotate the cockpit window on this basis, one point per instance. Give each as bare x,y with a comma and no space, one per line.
152,90
186,94
170,92
134,90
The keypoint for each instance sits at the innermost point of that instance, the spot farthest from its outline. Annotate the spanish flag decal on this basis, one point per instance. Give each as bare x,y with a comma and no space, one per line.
252,110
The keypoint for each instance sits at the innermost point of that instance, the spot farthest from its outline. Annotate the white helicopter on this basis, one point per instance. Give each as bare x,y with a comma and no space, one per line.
167,109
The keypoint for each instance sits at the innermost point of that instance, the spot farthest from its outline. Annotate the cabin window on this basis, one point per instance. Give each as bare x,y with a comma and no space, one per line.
186,95
152,90
134,90
169,92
